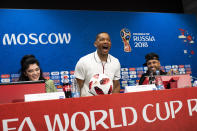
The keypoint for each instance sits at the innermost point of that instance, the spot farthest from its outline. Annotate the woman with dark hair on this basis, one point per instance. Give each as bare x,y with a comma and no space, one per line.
30,71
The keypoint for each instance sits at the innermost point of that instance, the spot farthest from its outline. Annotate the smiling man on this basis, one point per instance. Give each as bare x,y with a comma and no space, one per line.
98,62
153,64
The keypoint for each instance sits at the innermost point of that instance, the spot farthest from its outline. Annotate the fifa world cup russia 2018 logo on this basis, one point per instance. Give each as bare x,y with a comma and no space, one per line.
126,36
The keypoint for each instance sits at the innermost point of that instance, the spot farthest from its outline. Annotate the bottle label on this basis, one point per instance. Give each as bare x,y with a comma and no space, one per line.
66,88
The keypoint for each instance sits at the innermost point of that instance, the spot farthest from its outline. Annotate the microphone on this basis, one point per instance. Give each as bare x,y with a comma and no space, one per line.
151,78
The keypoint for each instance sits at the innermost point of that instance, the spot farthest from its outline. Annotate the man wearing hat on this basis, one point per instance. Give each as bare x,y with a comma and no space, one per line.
153,64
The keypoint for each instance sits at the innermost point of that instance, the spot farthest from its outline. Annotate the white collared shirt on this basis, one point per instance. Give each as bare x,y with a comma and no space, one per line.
91,64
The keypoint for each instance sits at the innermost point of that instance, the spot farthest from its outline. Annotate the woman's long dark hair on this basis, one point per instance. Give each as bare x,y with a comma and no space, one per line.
25,62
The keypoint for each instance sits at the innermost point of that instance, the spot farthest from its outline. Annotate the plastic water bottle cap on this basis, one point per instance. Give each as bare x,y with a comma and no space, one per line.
65,77
157,72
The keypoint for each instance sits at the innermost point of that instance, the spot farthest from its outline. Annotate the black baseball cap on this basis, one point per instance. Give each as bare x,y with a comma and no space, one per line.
151,56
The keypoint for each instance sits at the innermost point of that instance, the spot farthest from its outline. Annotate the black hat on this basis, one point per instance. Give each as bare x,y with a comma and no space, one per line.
151,56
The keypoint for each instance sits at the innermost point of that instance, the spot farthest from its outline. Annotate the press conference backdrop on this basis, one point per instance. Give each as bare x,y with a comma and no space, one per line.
58,38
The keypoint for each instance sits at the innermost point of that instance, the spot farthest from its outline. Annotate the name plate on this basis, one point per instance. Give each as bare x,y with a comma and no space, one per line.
139,88
44,96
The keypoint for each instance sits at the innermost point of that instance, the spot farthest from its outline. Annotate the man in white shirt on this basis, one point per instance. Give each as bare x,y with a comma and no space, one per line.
98,62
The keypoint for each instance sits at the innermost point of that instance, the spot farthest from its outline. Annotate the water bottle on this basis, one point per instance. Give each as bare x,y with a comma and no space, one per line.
66,87
195,83
75,89
159,82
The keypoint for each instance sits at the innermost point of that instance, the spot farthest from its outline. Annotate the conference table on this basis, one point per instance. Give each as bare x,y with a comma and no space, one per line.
163,110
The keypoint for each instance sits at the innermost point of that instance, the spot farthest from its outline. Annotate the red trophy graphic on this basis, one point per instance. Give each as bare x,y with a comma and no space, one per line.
182,34
126,36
